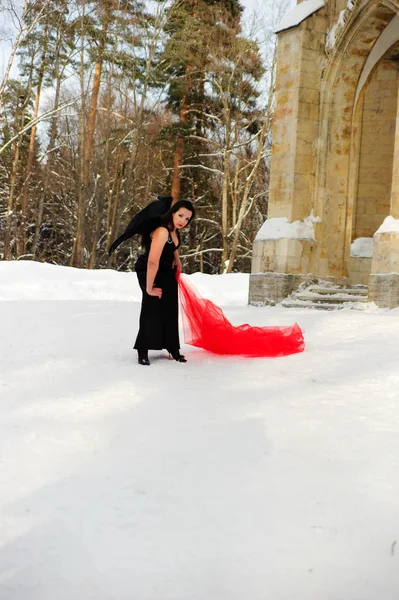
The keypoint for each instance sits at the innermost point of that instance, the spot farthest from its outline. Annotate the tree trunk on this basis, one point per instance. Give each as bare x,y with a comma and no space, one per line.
245,196
49,162
114,216
31,152
258,157
10,207
20,35
92,113
77,255
178,158
179,150
225,199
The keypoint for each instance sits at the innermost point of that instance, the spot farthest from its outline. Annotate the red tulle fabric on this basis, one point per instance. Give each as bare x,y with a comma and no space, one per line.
205,326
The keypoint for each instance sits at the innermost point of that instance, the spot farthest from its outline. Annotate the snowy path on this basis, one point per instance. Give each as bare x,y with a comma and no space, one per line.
222,479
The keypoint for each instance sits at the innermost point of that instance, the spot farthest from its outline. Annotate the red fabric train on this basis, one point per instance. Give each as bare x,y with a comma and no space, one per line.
205,326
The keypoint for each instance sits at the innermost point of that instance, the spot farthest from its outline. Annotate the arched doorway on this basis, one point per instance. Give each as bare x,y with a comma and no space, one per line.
343,168
376,114
377,144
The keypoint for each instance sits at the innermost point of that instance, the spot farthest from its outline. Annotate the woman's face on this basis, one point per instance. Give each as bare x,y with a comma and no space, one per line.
181,217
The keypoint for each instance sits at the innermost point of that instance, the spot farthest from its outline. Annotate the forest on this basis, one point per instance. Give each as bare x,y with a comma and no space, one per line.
106,104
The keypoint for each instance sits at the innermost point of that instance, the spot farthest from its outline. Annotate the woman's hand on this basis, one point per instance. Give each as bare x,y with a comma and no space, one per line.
155,291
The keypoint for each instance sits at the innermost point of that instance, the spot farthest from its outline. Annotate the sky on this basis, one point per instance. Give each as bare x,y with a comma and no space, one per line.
269,8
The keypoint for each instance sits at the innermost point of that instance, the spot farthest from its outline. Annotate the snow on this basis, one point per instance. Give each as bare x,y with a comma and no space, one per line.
25,280
362,248
280,228
299,13
331,37
390,225
224,478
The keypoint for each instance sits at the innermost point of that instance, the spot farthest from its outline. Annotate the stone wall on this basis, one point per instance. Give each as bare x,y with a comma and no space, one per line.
359,270
386,253
300,59
384,278
282,256
270,288
384,289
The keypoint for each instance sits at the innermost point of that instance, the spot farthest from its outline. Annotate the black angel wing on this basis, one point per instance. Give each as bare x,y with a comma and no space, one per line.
145,221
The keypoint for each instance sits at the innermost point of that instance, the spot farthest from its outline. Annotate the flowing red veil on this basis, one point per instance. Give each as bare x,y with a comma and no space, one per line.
205,326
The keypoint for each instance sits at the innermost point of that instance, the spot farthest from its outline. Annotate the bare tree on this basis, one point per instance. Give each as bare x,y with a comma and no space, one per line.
23,26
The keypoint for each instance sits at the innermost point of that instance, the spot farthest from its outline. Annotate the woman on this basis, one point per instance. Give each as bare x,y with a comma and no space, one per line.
156,272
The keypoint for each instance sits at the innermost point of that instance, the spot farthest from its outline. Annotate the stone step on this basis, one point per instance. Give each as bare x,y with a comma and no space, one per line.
330,298
317,305
356,291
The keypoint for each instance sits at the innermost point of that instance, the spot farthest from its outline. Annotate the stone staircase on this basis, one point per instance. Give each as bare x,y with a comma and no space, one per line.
328,297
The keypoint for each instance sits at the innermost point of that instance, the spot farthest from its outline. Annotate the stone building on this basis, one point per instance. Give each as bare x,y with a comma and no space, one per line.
334,184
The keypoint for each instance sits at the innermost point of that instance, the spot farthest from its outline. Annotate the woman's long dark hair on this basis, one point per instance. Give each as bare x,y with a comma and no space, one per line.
167,218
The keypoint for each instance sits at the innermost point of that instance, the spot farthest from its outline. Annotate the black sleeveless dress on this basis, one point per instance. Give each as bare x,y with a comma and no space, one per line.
159,317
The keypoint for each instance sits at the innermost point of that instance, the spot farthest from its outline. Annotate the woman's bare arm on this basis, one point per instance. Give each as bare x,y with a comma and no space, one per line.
159,239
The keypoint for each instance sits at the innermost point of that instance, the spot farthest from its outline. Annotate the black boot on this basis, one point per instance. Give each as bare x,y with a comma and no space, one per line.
143,357
177,356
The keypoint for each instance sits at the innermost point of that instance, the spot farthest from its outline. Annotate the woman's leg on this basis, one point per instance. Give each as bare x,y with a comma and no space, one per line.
142,357
142,351
176,355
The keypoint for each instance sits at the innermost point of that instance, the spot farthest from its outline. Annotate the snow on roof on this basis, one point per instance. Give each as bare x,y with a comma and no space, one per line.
299,13
390,225
280,228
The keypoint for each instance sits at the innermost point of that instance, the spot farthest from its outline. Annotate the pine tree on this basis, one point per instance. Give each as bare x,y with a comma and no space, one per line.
191,28
213,71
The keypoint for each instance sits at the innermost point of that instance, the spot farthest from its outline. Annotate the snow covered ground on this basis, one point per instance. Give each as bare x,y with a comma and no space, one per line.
221,479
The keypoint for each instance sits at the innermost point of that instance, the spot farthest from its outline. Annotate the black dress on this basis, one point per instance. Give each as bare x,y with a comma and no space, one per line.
159,317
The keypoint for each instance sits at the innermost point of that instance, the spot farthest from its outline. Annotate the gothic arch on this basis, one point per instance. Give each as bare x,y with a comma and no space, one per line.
387,39
366,23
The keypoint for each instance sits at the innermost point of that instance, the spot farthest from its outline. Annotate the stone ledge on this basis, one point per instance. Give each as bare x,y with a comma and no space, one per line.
267,289
384,289
282,255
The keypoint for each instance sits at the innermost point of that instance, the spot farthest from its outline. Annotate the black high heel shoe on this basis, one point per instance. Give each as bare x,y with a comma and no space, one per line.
177,356
143,358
